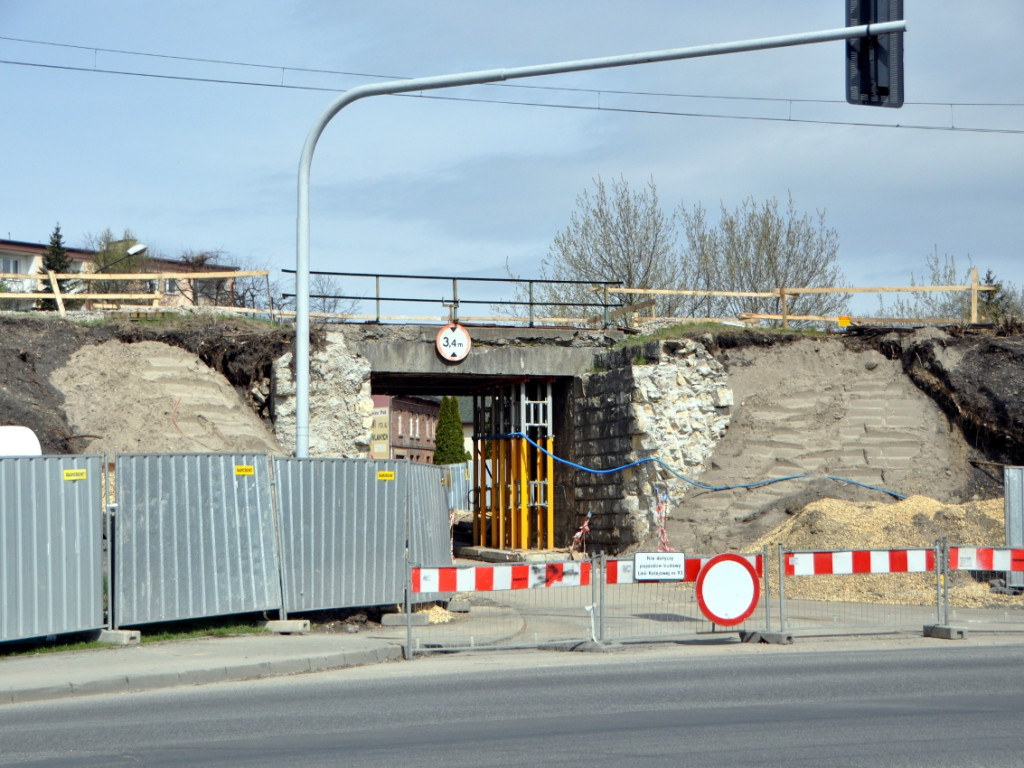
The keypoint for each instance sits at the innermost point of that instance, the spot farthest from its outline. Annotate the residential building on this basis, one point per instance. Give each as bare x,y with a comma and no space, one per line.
404,427
169,288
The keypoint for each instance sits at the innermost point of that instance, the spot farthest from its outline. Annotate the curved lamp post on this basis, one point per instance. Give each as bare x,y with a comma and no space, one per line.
478,78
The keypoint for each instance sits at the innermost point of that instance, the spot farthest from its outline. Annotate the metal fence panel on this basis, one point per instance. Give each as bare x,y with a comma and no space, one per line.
515,605
342,529
457,478
51,572
194,537
633,611
430,523
1013,503
864,590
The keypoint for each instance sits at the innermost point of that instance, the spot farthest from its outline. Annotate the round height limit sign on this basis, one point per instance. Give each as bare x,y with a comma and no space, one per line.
453,343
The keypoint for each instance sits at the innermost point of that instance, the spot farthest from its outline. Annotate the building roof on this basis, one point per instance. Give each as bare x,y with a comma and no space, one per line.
157,263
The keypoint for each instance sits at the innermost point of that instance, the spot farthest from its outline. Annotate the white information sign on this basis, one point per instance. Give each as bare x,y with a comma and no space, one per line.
659,566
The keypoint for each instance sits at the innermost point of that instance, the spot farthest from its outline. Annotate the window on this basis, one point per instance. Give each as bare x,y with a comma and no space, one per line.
11,265
170,286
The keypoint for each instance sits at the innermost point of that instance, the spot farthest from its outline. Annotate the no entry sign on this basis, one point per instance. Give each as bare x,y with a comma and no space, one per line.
727,589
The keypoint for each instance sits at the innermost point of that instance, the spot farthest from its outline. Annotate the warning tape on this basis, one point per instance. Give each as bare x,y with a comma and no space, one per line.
495,578
986,559
860,561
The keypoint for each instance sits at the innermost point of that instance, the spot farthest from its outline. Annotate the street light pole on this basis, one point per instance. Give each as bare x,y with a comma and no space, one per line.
302,326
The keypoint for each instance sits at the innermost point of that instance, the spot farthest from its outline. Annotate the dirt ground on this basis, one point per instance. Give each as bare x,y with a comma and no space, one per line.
927,413
189,384
863,419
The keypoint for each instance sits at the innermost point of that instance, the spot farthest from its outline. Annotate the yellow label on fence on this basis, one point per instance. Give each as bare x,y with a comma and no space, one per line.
245,469
844,321
386,475
76,474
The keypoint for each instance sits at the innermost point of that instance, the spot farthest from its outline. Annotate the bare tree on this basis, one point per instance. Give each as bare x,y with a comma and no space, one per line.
615,234
216,290
758,248
1006,301
112,255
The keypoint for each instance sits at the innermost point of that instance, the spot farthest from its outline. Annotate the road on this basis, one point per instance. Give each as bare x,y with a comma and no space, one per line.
927,705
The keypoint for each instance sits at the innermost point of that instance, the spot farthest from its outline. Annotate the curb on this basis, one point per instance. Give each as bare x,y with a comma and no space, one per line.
153,681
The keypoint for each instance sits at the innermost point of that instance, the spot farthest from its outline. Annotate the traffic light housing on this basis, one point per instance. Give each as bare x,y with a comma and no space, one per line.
874,64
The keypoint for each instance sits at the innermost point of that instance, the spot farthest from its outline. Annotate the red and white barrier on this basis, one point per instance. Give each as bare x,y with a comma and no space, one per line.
860,561
986,559
621,571
495,578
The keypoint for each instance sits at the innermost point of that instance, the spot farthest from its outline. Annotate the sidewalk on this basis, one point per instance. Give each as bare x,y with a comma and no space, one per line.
151,666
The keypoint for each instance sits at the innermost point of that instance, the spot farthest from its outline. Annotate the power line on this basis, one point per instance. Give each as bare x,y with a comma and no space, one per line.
576,107
525,86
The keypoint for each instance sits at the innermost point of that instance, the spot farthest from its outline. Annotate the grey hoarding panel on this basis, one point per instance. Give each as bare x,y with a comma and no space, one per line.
342,531
51,572
1013,505
194,537
429,521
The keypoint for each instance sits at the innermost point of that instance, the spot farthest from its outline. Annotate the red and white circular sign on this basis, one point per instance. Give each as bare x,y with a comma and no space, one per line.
453,343
727,589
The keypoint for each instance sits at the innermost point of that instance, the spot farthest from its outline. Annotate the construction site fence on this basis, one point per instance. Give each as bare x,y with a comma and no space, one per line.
801,593
611,302
202,535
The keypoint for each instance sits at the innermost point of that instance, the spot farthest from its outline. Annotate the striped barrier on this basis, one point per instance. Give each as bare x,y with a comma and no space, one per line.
496,578
621,571
860,561
986,559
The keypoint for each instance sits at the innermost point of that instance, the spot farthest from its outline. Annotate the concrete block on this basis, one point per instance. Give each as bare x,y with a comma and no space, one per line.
287,626
119,636
945,632
765,636
401,619
458,606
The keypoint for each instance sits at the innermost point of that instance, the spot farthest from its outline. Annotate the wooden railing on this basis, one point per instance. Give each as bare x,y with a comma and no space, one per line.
152,298
633,313
783,294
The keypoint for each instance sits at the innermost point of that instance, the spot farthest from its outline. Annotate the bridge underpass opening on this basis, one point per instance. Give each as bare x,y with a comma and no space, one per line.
520,497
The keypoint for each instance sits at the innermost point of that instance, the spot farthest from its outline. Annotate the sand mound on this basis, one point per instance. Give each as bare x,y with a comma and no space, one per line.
918,521
150,397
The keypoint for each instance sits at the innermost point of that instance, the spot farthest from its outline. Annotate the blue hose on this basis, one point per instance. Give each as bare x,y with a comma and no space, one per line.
695,483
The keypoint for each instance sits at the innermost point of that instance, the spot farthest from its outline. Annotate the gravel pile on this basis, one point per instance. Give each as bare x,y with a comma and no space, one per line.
831,524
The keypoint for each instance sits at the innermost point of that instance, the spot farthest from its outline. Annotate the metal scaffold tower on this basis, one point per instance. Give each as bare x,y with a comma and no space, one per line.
514,475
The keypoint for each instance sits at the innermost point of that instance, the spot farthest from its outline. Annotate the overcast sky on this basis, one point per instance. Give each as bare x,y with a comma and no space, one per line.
184,122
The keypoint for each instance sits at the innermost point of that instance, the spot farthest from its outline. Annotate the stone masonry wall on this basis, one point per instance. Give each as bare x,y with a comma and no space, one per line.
663,400
340,402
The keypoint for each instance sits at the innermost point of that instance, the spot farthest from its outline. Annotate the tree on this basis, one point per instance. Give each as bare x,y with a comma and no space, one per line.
757,248
56,260
111,255
448,445
326,296
216,291
619,234
1006,301
615,234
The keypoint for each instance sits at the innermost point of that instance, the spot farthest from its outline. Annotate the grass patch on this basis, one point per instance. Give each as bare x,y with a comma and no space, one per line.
251,624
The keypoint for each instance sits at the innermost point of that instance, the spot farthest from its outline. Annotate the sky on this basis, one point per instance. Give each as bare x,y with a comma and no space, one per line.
184,121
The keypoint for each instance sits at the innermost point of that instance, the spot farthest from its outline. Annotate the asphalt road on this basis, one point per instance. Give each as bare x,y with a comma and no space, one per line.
933,705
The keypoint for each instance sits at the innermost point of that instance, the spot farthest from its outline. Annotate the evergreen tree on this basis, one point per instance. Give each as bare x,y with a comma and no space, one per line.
55,259
448,446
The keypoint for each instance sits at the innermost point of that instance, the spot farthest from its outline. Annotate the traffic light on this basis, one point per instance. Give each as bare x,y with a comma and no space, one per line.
874,65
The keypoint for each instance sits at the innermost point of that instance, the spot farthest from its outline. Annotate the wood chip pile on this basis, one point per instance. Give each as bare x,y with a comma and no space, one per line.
918,521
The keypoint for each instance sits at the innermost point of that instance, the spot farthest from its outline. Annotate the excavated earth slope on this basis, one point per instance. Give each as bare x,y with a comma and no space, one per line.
878,416
926,412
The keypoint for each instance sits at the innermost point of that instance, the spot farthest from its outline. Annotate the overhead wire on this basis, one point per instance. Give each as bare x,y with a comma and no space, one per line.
505,102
